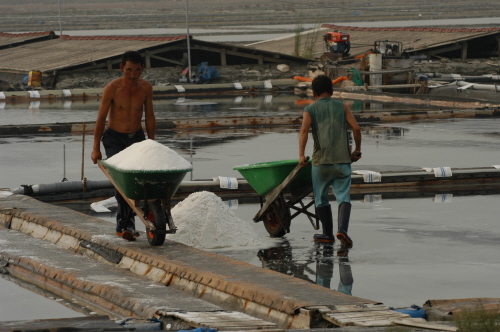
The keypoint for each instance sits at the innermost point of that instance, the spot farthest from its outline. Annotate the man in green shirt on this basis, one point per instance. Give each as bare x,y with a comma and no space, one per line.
331,159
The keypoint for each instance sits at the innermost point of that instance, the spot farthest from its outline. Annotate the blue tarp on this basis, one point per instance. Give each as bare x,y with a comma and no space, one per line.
206,73
200,329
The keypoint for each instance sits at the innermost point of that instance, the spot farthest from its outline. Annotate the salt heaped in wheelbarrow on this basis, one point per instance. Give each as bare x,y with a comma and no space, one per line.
147,169
148,155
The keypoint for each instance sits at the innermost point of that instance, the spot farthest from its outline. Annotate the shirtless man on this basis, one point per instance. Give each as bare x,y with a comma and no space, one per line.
123,102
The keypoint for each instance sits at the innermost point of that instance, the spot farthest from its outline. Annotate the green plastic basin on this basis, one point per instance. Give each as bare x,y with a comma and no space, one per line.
158,184
264,177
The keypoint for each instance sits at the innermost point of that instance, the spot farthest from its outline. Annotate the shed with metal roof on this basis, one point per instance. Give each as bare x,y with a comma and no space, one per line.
458,43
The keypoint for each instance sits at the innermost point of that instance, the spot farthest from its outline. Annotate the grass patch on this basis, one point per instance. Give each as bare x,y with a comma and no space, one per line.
310,42
298,37
478,320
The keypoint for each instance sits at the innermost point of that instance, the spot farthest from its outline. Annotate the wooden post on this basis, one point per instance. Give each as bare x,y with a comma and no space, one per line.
84,181
464,52
148,60
223,60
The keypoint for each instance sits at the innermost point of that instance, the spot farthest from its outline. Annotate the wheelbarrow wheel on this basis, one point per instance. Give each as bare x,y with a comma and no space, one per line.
277,219
158,217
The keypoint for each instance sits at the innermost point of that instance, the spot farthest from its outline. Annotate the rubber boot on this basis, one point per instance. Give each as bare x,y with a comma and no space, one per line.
325,216
125,224
343,225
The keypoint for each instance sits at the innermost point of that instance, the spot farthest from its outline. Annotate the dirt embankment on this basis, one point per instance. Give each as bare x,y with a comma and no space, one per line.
171,75
247,73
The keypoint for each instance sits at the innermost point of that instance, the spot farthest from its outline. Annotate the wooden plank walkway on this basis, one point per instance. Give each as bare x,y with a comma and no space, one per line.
93,287
132,280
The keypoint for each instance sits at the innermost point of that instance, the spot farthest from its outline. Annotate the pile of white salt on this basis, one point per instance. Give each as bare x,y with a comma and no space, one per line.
203,221
148,155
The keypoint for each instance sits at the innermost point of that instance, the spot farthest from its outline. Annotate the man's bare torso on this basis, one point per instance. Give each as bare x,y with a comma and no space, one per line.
127,105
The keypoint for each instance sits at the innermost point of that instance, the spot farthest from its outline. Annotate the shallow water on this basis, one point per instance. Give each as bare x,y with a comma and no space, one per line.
21,304
406,250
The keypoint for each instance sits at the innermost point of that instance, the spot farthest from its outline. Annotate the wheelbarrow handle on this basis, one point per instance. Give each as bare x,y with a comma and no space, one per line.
271,196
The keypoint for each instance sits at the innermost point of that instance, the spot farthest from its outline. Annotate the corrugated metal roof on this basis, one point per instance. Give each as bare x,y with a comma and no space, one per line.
85,52
15,38
65,52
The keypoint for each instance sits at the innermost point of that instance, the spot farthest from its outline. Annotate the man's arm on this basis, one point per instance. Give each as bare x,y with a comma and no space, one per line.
356,132
150,119
304,135
107,97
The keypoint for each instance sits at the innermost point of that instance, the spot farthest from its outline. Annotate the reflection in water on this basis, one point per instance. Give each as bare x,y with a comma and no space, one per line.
320,256
346,279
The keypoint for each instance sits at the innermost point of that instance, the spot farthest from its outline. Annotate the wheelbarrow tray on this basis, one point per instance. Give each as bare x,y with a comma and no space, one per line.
138,184
264,177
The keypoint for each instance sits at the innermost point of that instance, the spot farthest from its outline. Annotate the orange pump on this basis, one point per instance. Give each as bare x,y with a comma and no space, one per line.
337,42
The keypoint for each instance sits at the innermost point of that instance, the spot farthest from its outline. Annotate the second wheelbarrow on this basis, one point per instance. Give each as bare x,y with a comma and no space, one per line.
275,182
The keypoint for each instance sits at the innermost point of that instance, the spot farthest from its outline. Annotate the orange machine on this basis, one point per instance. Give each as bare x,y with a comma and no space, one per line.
337,42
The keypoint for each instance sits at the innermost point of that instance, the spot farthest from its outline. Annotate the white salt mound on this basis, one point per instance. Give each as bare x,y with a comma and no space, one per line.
148,155
203,221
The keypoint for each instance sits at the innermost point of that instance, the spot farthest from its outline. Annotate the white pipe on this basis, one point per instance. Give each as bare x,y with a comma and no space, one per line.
475,86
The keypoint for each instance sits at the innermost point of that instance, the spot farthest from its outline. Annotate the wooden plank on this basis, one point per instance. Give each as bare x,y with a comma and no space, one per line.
233,322
369,314
374,315
224,320
356,307
220,314
94,323
422,323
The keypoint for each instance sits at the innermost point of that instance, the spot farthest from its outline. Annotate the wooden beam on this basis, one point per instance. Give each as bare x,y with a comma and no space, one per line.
93,66
167,60
240,54
453,47
168,48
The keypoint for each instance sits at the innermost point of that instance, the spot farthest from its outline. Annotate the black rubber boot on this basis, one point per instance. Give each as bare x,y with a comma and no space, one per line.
343,225
325,216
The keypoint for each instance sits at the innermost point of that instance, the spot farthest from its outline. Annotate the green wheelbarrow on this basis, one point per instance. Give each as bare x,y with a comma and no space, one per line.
148,193
281,185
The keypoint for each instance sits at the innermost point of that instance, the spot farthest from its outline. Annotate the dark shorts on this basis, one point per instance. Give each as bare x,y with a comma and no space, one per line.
115,141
